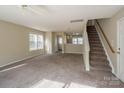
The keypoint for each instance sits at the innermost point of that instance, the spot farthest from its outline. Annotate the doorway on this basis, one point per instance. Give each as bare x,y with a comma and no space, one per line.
59,43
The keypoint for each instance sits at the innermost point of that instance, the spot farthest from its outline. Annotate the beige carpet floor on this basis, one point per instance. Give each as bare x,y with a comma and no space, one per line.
55,71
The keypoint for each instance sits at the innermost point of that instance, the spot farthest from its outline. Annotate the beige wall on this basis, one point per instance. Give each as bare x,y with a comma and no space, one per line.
109,27
54,42
48,42
72,48
14,43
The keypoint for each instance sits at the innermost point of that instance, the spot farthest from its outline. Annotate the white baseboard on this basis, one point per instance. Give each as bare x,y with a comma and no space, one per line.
110,62
19,60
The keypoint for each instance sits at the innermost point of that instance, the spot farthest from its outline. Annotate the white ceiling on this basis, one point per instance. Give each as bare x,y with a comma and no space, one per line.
56,17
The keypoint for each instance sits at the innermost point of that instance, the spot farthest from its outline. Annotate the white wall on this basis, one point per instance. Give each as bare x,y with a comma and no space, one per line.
109,27
14,43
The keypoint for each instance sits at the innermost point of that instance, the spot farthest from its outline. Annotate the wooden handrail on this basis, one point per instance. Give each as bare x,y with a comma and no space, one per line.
113,51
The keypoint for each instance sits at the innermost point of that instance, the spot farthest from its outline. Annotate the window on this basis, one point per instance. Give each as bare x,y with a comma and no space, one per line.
60,40
77,40
80,40
36,41
40,42
74,40
33,41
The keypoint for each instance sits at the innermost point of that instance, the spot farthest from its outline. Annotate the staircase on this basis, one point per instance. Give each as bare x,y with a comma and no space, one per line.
98,58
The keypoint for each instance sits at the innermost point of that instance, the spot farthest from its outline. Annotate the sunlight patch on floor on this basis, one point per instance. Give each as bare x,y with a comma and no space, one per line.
48,84
76,85
12,68
54,84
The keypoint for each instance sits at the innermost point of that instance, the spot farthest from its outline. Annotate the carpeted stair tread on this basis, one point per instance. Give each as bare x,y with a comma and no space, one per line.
99,63
94,39
96,47
103,68
98,59
97,54
95,51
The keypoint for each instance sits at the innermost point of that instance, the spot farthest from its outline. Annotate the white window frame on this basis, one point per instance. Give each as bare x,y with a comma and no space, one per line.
36,41
60,40
76,40
40,39
80,41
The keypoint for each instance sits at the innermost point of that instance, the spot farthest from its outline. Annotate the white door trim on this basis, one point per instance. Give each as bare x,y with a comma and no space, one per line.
118,46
